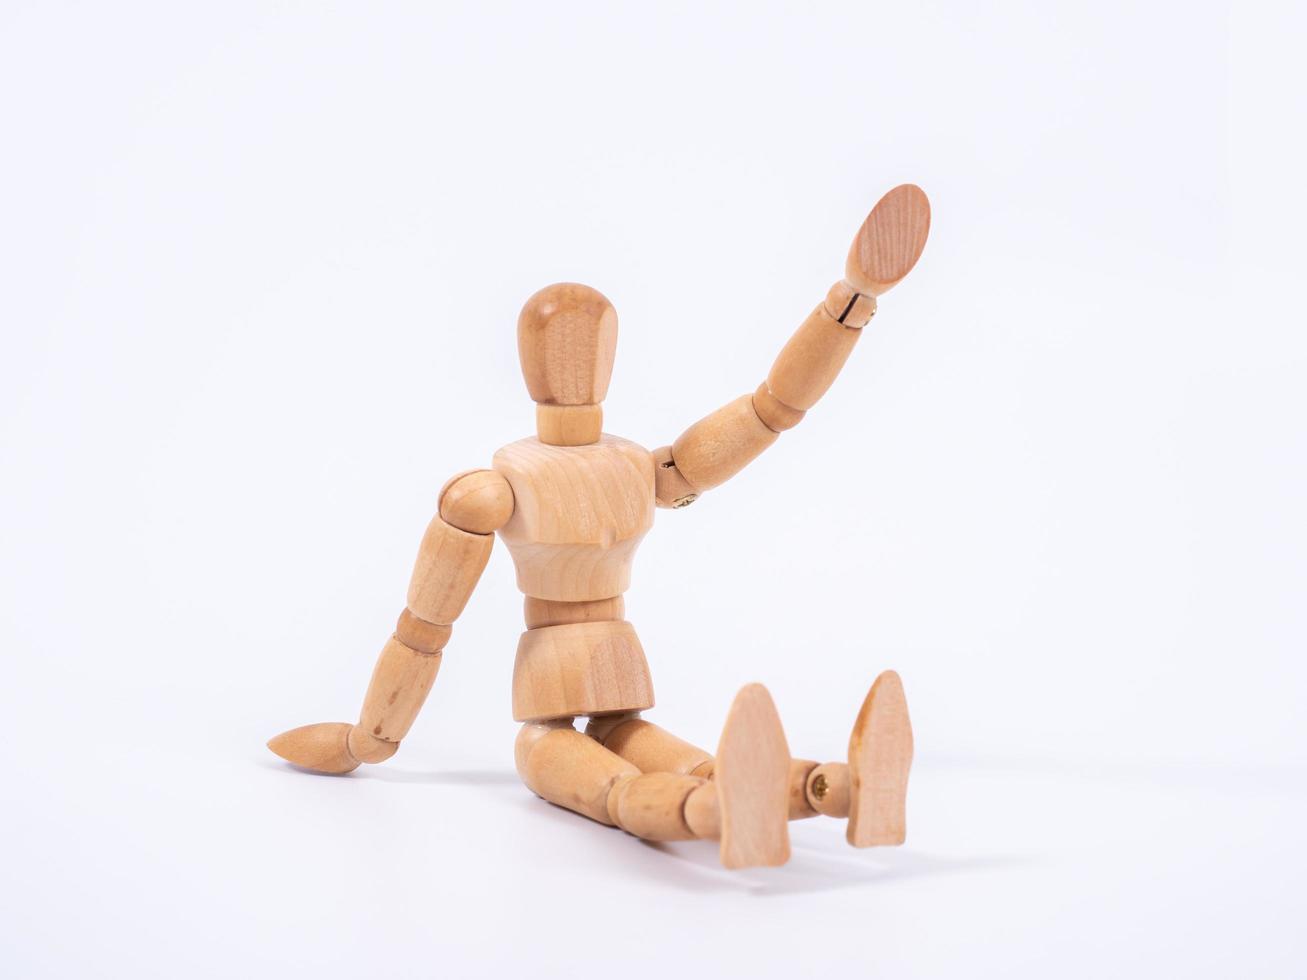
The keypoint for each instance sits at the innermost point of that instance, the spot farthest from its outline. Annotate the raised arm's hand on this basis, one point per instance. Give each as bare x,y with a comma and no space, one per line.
714,449
451,558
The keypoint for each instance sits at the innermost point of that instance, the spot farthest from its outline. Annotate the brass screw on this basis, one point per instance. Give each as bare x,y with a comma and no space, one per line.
820,787
685,501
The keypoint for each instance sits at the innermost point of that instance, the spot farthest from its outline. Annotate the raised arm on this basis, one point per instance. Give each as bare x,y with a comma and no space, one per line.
451,558
715,448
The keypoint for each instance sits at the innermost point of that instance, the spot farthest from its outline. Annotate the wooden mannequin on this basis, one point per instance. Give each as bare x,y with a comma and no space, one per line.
572,505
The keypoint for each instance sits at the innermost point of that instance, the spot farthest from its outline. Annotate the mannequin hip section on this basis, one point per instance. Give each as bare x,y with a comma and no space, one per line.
578,661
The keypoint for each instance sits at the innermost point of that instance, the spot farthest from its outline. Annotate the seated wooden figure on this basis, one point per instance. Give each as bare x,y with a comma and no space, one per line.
572,504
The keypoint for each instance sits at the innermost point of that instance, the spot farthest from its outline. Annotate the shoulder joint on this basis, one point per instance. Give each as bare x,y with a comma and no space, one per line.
477,501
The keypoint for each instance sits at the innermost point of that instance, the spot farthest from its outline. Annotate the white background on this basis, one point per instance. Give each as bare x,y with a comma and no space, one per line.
260,267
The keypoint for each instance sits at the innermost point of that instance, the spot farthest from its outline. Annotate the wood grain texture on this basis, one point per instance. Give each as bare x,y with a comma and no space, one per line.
420,635
449,565
532,732
671,489
570,769
652,805
752,779
718,446
400,683
615,793
477,501
323,747
368,748
647,746
880,759
810,361
569,425
566,340
550,612
579,516
890,241
580,669
703,813
775,414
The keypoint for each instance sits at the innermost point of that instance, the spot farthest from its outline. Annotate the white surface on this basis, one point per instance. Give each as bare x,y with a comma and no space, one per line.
208,862
261,269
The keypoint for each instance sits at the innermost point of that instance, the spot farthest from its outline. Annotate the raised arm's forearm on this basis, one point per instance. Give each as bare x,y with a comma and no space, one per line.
808,365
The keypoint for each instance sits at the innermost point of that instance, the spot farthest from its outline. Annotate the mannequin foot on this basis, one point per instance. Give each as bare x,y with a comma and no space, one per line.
880,757
752,779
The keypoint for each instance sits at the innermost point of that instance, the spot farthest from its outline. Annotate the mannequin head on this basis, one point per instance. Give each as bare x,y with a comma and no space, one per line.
566,339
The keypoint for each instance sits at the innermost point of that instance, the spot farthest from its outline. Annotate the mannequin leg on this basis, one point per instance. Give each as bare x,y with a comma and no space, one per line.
870,789
744,807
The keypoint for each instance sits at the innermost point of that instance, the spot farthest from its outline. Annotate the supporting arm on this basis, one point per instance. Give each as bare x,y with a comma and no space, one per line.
450,560
717,447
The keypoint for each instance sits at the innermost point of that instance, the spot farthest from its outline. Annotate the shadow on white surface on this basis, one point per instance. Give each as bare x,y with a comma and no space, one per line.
455,777
814,869
821,860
